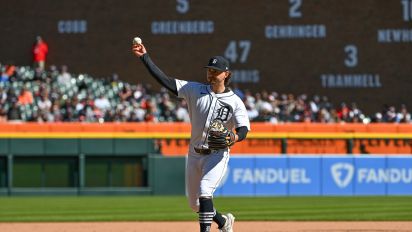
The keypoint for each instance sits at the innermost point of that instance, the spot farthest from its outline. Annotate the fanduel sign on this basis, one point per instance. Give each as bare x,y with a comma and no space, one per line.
318,175
391,175
270,176
338,173
343,173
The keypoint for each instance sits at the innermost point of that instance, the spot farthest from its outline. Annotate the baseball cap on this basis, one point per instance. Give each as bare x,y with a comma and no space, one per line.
218,62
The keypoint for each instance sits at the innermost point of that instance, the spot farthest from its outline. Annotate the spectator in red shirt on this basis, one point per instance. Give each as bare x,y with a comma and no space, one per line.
25,97
40,50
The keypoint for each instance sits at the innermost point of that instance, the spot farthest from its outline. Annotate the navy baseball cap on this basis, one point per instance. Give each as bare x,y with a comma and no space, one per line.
218,62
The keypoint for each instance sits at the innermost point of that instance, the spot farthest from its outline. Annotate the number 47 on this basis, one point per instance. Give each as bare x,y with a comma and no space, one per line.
231,52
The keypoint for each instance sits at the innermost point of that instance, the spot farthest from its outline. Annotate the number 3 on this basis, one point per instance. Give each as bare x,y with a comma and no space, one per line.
352,56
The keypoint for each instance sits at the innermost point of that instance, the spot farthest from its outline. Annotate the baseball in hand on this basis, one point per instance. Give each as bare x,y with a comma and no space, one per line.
137,40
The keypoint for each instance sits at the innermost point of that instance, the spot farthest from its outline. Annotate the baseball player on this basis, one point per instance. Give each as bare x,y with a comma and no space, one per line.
214,112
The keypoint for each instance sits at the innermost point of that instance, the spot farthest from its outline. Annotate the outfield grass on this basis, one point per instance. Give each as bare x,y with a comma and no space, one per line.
28,209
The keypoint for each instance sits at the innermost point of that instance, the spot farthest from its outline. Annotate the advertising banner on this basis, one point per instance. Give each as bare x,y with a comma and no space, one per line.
317,176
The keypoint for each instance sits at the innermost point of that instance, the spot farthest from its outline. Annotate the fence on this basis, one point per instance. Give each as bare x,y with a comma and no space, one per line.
265,138
317,176
82,166
123,158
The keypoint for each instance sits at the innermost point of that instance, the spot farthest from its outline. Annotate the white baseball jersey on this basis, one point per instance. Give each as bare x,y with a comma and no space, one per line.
204,105
205,172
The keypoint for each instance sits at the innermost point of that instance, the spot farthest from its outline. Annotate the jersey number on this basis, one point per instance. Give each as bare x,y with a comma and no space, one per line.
407,10
232,51
294,9
182,6
352,56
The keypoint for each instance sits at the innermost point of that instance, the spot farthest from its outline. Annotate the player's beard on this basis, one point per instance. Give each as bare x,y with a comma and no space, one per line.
211,80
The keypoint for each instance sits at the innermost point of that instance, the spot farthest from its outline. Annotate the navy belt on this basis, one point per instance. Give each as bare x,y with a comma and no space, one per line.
201,151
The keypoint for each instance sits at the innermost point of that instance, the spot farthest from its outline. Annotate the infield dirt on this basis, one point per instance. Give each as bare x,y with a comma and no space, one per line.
241,226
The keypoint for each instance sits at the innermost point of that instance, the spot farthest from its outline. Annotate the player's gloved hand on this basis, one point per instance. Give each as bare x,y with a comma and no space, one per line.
219,136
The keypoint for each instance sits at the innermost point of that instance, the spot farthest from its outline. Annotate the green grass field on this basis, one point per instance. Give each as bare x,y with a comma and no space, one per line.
138,208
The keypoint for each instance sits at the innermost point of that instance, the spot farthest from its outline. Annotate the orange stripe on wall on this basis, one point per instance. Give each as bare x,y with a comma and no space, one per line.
185,127
261,146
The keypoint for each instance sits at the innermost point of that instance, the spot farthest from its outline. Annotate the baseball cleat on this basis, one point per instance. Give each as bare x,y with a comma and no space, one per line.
230,220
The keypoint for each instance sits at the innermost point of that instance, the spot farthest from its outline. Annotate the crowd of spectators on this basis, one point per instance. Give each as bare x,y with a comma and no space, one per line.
56,95
276,108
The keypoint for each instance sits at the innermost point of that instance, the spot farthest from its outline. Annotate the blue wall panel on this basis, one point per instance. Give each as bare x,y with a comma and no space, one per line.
337,176
239,179
271,177
370,176
304,176
400,176
317,175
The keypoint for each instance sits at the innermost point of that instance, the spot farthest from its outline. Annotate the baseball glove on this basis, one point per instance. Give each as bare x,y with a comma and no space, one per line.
219,136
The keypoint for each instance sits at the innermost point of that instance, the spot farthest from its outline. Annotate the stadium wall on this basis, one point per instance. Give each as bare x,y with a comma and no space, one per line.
318,176
116,158
347,50
172,139
88,167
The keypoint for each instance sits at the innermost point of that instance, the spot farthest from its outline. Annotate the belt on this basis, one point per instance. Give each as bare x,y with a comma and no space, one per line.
203,151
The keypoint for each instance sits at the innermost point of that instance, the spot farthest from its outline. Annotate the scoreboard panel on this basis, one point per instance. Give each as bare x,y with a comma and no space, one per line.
348,50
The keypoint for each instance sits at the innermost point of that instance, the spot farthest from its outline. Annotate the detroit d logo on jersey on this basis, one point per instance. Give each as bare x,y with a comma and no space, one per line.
223,112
